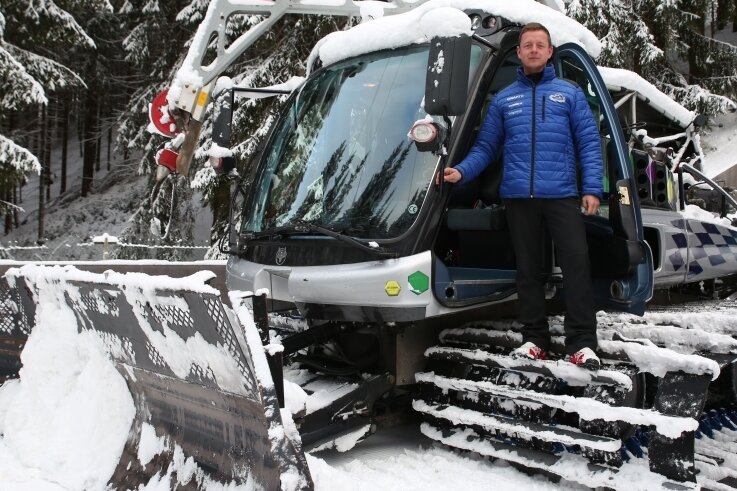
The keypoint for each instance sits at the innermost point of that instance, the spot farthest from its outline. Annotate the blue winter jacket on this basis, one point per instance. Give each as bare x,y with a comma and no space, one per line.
547,129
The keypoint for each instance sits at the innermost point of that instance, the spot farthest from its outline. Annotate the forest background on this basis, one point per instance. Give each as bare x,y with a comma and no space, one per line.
84,71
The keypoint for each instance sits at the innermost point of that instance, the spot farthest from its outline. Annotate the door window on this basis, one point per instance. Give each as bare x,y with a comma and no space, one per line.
571,69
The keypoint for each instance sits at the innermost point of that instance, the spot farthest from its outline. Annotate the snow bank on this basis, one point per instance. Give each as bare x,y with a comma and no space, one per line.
66,420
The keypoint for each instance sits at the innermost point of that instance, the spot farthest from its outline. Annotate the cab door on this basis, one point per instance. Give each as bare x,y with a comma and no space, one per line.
621,260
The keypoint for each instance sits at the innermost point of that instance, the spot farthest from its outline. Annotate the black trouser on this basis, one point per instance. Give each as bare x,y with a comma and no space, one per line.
528,219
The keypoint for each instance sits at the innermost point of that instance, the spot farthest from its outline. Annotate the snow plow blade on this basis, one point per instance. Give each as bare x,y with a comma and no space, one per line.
197,375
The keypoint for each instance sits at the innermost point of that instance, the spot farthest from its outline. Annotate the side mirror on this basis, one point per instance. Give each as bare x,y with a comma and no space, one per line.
222,112
446,85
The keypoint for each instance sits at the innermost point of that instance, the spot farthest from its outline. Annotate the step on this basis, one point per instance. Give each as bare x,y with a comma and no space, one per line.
572,374
587,409
633,476
659,361
516,428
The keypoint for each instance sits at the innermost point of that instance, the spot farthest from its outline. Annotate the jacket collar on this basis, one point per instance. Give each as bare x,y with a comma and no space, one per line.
548,74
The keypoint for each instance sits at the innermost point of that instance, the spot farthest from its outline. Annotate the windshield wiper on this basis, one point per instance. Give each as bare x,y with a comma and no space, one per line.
303,227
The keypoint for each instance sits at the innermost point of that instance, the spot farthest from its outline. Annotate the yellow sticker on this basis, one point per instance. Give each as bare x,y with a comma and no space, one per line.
202,98
392,288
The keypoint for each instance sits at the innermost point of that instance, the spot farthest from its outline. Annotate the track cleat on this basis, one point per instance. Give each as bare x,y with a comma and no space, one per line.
726,422
705,428
634,447
714,420
529,350
586,358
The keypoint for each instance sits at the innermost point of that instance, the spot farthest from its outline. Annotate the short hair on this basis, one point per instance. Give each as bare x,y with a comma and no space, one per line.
534,26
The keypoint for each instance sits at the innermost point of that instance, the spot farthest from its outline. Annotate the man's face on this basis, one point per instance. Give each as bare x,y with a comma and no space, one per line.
534,51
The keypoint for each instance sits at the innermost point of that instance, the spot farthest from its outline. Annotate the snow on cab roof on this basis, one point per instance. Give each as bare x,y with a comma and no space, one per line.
619,79
398,30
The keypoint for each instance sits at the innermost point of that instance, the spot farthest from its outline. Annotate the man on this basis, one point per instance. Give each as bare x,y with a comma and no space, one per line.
547,130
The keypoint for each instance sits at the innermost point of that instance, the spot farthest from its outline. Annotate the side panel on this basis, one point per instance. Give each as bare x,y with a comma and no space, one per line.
667,235
713,250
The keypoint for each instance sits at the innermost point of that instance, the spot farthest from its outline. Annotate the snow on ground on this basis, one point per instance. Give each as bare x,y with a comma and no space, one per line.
70,221
403,459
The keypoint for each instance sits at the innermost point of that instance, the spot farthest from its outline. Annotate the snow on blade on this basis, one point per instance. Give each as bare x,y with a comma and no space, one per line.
194,283
409,28
278,434
140,290
150,445
67,418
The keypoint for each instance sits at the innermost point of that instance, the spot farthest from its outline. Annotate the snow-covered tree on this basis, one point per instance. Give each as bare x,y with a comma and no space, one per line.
155,46
657,39
32,34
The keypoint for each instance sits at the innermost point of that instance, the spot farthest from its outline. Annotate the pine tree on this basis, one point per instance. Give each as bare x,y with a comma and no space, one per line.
154,47
27,77
655,38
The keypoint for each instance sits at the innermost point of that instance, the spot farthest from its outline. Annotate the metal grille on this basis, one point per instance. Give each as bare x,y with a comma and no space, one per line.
197,371
8,308
174,315
217,314
121,346
103,302
155,356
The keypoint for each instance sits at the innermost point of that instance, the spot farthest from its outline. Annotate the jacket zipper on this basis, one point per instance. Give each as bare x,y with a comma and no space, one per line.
543,99
532,154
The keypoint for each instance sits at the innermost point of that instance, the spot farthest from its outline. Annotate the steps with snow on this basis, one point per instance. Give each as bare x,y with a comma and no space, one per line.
555,416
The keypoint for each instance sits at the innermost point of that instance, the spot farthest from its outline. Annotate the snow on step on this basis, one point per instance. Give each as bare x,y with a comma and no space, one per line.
675,338
478,333
726,436
722,450
717,318
634,476
511,426
572,374
709,476
586,408
659,361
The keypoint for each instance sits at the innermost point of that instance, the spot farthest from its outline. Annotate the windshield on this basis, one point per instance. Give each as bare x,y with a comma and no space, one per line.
342,158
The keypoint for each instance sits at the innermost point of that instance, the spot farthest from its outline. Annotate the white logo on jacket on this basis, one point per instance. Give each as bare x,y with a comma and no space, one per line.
557,97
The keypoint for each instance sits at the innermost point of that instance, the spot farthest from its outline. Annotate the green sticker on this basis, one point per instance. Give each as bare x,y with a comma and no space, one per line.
419,282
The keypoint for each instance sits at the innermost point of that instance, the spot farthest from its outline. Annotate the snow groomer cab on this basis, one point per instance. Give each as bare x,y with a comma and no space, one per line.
342,214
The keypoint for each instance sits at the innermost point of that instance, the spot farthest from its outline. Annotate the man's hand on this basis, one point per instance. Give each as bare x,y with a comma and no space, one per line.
451,175
590,204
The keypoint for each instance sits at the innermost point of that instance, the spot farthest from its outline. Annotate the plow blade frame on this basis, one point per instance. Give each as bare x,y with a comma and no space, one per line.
227,419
